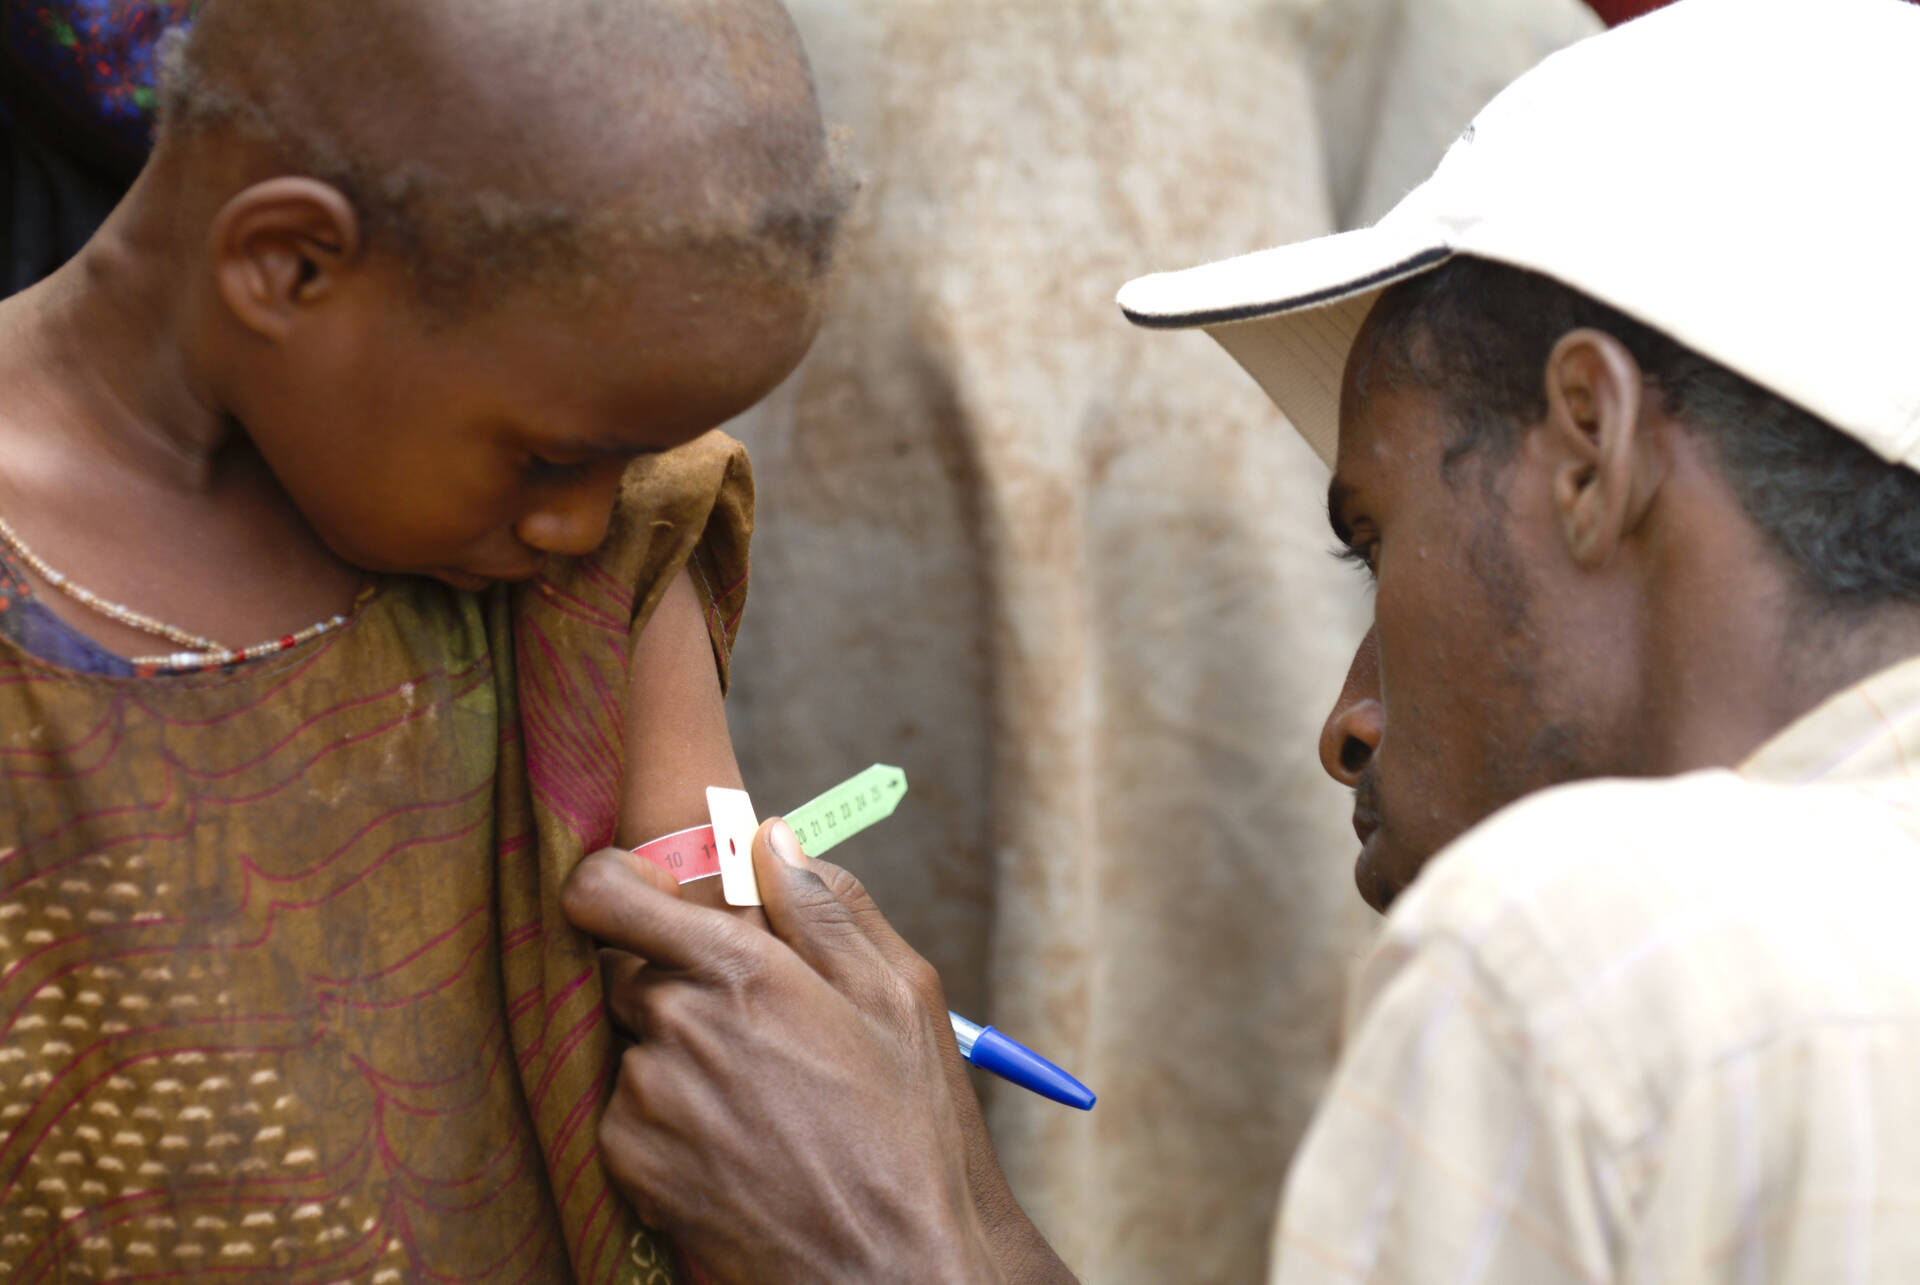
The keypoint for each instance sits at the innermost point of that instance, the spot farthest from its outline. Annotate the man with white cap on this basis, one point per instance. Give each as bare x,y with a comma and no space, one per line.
1623,407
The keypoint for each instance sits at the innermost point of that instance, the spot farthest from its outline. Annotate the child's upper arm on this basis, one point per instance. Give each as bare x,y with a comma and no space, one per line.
677,742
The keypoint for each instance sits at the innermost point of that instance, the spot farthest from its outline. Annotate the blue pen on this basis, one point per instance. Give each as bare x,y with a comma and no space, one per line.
991,1051
844,811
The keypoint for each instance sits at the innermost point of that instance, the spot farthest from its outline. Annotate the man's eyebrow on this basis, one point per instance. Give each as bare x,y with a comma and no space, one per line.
1338,493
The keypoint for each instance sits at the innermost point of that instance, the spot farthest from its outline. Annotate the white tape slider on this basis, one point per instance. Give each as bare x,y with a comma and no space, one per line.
734,825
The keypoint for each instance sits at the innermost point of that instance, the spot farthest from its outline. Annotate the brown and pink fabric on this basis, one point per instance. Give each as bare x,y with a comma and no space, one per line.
285,993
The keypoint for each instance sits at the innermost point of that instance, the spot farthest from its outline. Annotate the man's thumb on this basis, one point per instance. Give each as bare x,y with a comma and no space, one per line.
803,911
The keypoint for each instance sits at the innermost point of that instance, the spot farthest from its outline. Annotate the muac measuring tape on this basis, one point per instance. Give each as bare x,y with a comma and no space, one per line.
820,823
724,848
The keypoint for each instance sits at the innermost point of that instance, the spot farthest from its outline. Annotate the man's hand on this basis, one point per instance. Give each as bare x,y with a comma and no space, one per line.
794,1108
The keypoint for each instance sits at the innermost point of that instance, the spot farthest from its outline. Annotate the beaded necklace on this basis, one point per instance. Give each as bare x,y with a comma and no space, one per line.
203,653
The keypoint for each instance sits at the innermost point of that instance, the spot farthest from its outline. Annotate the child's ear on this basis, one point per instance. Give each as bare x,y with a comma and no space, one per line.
280,247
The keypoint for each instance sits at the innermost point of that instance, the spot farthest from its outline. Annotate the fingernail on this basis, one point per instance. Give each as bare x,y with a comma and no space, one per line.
785,844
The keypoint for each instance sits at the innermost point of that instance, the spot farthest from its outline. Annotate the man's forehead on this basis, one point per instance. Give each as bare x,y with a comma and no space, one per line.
1359,406
1349,447
1358,373
1391,432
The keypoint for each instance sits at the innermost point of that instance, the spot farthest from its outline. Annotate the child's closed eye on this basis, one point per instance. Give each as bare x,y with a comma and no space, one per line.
546,471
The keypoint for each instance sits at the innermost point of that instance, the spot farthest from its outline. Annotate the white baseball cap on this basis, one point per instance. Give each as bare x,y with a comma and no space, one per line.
1742,175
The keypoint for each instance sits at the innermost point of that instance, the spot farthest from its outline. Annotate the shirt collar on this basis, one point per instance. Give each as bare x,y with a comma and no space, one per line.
1870,730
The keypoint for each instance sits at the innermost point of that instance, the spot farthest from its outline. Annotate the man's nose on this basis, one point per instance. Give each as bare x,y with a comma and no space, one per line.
572,522
1353,729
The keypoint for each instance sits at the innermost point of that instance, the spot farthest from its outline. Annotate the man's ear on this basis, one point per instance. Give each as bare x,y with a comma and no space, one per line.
279,248
1603,479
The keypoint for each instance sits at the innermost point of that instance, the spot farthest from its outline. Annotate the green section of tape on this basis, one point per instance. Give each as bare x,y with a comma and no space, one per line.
848,808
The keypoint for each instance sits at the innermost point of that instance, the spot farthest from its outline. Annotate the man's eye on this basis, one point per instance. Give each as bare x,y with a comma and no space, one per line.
1359,555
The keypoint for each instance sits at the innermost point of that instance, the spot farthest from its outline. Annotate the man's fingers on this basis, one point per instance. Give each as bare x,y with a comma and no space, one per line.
903,959
825,915
619,975
859,903
630,905
654,875
805,913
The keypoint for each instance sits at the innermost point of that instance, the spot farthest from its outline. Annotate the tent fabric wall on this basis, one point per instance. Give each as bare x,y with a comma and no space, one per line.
1073,577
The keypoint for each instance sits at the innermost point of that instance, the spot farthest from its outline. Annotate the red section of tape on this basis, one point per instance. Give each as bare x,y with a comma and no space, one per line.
685,854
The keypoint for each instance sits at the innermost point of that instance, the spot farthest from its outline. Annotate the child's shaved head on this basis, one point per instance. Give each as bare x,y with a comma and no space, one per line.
496,143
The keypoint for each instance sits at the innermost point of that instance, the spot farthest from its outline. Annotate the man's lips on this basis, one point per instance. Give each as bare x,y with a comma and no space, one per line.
1366,815
1364,822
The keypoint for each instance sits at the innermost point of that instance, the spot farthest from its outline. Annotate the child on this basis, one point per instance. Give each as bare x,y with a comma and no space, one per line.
289,777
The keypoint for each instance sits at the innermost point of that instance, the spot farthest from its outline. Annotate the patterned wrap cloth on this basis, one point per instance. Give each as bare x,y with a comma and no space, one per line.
285,990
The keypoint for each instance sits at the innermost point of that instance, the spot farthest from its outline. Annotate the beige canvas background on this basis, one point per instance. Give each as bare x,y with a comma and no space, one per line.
1073,576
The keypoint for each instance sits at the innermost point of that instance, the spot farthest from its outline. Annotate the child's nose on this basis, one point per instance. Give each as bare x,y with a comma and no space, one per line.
573,521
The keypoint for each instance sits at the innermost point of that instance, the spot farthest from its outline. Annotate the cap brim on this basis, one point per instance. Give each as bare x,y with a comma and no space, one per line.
1289,315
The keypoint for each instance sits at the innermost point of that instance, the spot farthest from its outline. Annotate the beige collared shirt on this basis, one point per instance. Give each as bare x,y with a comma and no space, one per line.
1645,1031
